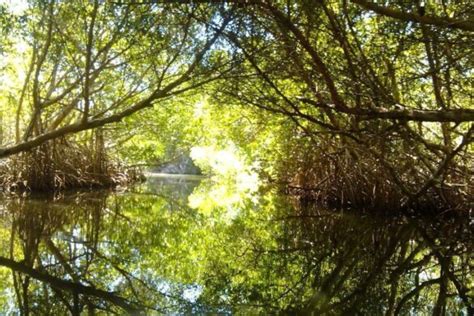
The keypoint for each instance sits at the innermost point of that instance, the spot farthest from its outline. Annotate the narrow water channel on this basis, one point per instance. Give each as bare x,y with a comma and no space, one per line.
184,245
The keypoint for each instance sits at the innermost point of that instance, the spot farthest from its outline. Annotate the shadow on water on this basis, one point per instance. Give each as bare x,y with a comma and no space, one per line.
147,251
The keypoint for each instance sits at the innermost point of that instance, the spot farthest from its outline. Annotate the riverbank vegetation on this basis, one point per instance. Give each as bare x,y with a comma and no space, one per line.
352,104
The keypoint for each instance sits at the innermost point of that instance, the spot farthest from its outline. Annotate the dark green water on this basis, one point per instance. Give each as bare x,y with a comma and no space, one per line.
178,246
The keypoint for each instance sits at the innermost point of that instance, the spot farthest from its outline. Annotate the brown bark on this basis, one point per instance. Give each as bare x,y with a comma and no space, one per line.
454,115
81,125
466,25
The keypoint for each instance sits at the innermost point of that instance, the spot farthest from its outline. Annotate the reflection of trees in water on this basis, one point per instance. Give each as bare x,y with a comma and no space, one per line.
93,252
389,266
58,245
320,262
177,187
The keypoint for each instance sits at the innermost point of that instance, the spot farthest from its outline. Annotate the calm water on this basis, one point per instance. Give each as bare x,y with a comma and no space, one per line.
176,245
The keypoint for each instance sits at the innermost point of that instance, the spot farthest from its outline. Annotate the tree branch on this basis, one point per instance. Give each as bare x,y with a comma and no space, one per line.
68,285
147,102
466,25
455,115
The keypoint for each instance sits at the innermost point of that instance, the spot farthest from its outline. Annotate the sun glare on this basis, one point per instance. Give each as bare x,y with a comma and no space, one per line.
15,6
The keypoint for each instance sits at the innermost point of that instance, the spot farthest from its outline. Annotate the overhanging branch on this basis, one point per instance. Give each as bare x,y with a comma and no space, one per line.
466,25
455,115
94,123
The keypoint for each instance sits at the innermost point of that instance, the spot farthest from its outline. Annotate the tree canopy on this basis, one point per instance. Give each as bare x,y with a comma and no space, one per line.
372,96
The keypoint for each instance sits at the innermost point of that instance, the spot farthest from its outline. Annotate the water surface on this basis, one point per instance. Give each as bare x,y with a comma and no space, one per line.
180,245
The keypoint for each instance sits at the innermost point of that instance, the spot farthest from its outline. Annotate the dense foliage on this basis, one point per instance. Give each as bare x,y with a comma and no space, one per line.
350,103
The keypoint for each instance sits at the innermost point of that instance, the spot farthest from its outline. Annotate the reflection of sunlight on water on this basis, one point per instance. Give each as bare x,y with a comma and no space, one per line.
233,182
222,197
218,198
